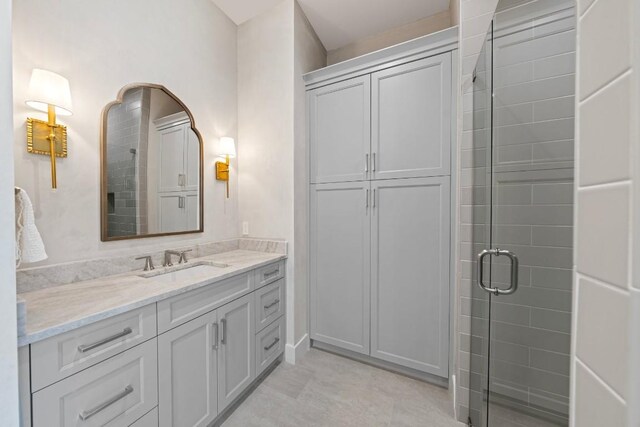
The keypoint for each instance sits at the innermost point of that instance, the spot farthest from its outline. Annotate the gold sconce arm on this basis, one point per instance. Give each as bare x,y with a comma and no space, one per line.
222,172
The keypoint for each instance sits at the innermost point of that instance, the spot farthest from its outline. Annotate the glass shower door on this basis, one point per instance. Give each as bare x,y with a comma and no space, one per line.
523,363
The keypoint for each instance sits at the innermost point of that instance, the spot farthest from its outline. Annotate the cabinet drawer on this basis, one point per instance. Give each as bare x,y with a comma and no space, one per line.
182,308
269,303
63,355
150,419
115,392
269,345
269,274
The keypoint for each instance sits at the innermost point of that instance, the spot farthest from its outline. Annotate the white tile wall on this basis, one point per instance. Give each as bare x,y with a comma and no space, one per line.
604,371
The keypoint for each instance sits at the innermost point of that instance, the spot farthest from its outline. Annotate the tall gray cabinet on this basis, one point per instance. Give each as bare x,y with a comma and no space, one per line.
380,138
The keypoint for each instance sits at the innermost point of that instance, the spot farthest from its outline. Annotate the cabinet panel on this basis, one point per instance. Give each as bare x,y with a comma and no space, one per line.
149,420
171,159
115,392
188,373
171,213
339,131
269,303
410,274
63,355
192,211
177,310
270,345
340,264
192,161
269,274
411,119
236,368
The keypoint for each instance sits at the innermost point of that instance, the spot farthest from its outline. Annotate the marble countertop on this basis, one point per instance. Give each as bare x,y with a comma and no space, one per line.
55,310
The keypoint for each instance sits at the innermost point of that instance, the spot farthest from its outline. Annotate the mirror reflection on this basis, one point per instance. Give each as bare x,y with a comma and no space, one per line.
152,161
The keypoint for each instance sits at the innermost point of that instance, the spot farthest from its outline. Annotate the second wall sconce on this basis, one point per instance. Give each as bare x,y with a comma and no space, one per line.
228,150
48,92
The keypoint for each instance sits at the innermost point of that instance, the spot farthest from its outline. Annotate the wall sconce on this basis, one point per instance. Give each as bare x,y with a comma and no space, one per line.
227,149
48,92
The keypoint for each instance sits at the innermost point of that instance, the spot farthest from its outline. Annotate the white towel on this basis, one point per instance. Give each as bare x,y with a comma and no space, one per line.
29,245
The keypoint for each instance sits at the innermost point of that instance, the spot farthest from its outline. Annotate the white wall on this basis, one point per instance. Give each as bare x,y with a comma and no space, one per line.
274,48
265,132
419,28
309,55
605,376
8,331
100,46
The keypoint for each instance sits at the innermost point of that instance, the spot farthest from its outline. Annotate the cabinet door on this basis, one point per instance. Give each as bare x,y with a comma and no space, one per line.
411,114
339,131
191,160
410,273
192,211
340,264
171,159
188,373
237,367
171,212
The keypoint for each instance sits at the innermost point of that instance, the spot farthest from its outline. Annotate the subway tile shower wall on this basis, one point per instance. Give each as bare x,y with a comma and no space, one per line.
532,215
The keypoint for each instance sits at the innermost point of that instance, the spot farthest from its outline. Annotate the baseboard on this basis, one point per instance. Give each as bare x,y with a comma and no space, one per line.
295,352
382,364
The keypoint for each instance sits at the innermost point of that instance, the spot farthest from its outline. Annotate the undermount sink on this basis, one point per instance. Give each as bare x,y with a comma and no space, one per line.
196,271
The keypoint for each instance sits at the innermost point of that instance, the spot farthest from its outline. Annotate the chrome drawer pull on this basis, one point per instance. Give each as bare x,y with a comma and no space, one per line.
270,346
85,415
84,348
216,334
271,273
268,306
223,335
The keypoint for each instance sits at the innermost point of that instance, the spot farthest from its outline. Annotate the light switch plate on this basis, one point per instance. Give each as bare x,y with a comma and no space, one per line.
245,228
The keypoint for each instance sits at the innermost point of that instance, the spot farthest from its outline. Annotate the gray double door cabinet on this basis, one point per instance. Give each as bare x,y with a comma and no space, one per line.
380,147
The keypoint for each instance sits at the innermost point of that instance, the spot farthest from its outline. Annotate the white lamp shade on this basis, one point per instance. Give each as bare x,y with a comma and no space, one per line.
227,147
48,88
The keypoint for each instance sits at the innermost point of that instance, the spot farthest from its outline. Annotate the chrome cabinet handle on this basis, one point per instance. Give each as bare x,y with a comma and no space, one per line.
515,265
275,302
270,346
374,197
373,161
86,347
366,163
366,202
180,202
271,273
215,336
223,334
85,415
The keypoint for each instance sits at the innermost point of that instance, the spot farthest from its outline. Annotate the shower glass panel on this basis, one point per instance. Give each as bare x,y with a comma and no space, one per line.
519,372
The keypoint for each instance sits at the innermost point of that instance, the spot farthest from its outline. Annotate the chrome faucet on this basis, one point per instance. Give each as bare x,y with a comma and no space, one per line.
148,264
181,254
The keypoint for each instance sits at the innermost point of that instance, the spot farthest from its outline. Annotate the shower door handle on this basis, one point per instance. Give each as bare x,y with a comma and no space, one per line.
514,271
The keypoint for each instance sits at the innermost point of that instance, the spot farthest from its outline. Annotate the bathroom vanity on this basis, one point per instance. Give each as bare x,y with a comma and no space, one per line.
173,346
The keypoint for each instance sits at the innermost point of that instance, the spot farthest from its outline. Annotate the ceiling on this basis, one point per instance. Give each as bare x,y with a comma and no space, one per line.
340,22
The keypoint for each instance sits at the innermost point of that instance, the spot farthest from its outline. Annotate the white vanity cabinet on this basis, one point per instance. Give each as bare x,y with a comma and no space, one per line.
236,364
380,147
188,373
205,353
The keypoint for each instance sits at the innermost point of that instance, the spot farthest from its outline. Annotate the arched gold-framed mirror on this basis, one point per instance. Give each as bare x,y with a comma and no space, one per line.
152,158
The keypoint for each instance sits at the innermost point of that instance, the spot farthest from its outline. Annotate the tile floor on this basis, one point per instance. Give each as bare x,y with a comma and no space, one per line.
323,389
